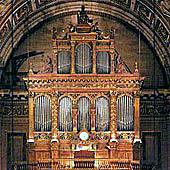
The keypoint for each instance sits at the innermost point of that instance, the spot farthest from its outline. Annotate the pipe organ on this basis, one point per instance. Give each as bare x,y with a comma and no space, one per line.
125,113
42,114
84,105
65,114
102,114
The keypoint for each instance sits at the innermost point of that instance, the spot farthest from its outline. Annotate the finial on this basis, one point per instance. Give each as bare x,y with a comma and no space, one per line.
30,69
136,67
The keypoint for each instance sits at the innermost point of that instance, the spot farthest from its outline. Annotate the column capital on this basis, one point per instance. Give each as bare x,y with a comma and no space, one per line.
31,94
72,57
72,43
54,94
137,94
113,93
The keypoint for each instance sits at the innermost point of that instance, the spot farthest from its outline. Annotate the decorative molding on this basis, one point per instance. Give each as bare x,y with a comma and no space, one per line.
42,136
126,135
36,82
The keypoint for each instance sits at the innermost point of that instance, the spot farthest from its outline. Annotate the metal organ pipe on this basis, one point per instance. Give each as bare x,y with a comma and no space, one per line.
42,114
49,115
83,59
64,62
84,113
102,114
125,113
65,114
103,62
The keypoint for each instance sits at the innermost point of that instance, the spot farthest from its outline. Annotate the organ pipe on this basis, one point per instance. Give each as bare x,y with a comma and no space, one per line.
42,114
65,114
102,114
103,62
83,59
83,113
64,62
125,113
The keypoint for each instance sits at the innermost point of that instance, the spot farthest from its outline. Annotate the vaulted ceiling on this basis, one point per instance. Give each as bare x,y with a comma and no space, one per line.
149,17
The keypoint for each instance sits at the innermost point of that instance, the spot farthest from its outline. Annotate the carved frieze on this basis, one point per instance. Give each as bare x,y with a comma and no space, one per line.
42,136
84,82
20,105
157,105
148,16
93,136
126,135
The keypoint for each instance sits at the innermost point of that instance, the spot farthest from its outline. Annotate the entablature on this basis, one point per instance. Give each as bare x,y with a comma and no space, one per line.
90,81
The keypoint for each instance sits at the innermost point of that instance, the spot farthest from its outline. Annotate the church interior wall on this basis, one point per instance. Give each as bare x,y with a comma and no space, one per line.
126,43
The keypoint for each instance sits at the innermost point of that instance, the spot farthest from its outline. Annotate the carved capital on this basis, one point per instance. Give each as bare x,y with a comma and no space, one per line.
31,94
73,43
54,94
136,94
113,93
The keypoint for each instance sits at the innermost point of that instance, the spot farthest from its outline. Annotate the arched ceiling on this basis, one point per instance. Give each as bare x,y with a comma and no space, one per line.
152,20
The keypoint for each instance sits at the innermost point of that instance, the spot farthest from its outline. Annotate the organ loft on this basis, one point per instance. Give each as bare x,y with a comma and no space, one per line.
84,104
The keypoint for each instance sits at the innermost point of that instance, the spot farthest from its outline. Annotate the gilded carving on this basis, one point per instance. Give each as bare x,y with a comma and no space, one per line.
42,136
126,135
54,109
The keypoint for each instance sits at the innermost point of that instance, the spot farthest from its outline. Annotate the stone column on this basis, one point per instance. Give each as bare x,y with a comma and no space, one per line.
94,57
72,57
168,140
1,131
113,115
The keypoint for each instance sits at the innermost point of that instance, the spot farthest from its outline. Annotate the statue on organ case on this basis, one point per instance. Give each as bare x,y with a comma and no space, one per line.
48,67
82,16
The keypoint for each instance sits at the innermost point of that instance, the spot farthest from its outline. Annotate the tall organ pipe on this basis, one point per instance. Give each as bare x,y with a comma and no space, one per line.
42,114
125,113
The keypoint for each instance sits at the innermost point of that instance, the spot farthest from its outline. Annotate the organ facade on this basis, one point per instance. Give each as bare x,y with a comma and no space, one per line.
84,104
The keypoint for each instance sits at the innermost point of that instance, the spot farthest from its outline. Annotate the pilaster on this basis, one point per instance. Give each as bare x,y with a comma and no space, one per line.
112,57
168,141
72,57
93,118
75,112
94,57
136,116
54,115
113,115
55,64
31,118
1,142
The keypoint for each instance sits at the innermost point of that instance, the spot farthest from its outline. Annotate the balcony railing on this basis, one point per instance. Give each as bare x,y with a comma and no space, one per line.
79,164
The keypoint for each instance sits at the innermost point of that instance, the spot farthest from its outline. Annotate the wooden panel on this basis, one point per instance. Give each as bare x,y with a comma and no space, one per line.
151,147
18,141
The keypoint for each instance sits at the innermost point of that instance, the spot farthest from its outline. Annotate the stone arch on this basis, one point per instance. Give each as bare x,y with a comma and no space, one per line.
127,12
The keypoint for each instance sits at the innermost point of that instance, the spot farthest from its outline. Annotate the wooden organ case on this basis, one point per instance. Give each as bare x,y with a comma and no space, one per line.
84,106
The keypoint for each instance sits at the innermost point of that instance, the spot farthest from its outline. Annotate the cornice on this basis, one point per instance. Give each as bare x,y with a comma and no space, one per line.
53,81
